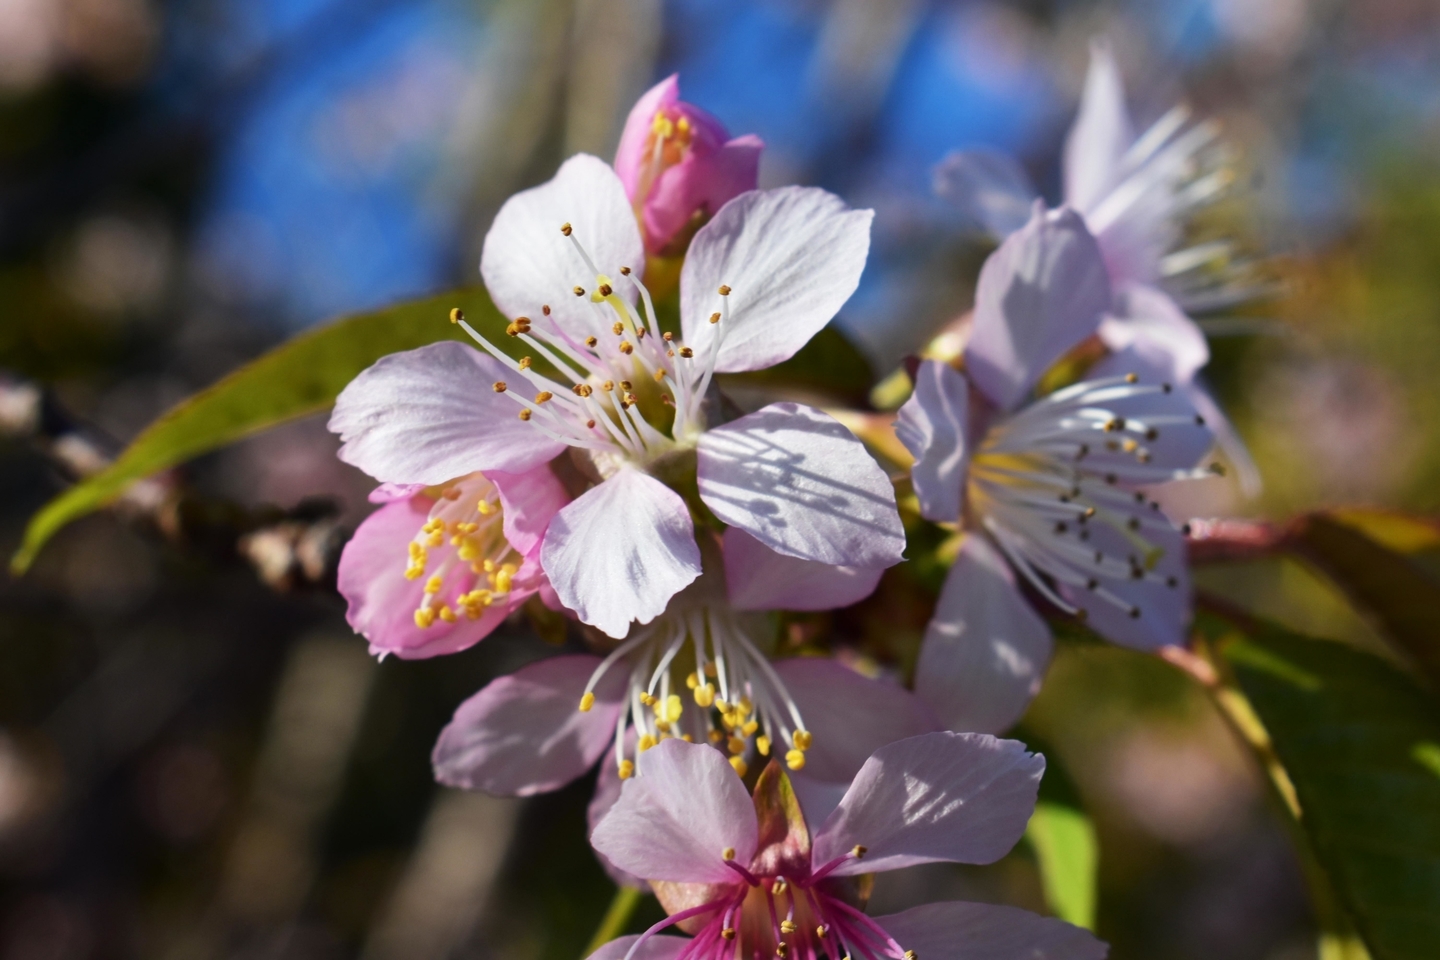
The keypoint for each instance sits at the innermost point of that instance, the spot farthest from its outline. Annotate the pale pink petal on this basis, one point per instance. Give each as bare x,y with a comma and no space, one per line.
678,816
990,189
631,156
528,263
620,551
758,578
958,797
801,483
1147,613
983,931
659,947
703,182
529,500
390,492
1227,438
1101,134
1040,294
1147,316
524,734
791,258
932,425
849,716
985,650
607,792
430,415
381,602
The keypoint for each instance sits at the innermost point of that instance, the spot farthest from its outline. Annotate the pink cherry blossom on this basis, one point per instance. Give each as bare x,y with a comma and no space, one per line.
1136,195
680,166
564,260
436,569
749,878
1049,489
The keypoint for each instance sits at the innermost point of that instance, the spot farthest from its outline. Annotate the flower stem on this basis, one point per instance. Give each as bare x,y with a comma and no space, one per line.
621,908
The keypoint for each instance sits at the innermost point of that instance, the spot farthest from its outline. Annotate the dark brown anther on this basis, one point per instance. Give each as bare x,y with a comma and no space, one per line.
624,271
579,291
605,290
500,386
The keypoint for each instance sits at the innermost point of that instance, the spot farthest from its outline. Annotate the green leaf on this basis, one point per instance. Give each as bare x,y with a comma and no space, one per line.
1065,846
1401,595
829,364
300,377
1360,742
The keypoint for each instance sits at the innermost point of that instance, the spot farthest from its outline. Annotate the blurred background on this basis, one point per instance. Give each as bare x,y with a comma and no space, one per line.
194,764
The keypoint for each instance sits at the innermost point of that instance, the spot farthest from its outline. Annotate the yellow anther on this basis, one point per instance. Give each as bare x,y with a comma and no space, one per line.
795,760
910,955
424,617
724,290
859,851
762,744
687,738
802,739
433,584
525,414
456,314
1131,378
683,124
822,931
582,389
721,705
659,374
618,328
447,614
750,728
727,854
740,766
525,363
779,887
686,352
500,386
787,927
587,701
503,578
543,396
414,573
782,950
608,386
565,228
626,385
579,291
436,539
704,695
673,708
692,681
484,508
626,347
591,341
714,318
647,699
645,743
627,769
727,933
735,745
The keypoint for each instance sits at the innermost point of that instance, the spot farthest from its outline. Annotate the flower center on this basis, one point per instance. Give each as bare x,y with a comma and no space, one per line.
462,548
702,656
1043,481
620,378
667,143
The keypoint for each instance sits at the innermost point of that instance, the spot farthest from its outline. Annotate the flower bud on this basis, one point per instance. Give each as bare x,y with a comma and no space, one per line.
680,166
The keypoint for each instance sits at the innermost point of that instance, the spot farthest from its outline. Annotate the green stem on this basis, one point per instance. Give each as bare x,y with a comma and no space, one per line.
617,916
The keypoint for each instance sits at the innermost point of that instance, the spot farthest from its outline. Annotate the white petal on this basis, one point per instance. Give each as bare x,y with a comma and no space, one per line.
985,650
621,551
528,263
958,797
1101,134
1146,315
1040,294
1152,612
932,426
798,481
431,415
678,816
758,578
982,931
791,257
659,947
989,187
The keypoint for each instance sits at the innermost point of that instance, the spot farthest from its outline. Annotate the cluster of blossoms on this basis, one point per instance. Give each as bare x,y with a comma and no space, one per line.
599,470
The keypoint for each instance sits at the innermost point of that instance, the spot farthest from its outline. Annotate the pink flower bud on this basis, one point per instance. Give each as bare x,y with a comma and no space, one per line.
679,165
